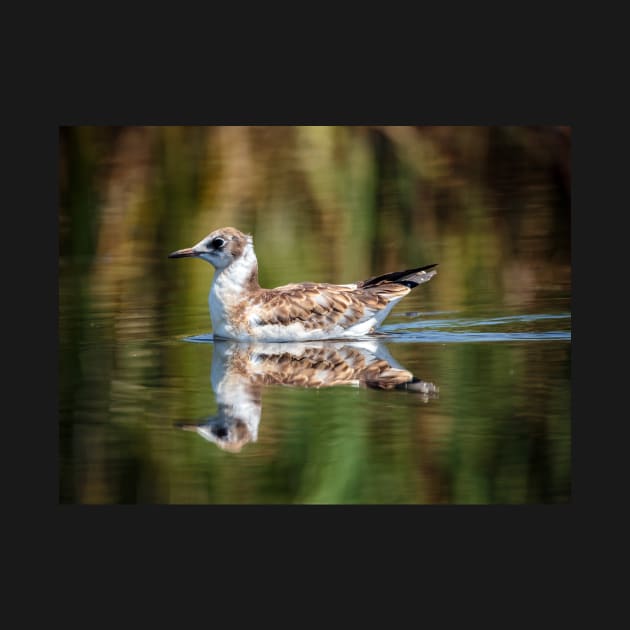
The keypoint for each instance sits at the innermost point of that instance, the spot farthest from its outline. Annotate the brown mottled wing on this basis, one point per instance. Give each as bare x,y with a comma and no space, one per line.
322,367
323,305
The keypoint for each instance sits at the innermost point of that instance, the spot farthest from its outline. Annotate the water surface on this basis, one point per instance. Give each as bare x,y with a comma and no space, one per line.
483,417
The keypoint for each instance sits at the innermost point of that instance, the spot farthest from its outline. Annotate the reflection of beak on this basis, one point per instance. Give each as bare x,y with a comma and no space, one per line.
184,253
185,426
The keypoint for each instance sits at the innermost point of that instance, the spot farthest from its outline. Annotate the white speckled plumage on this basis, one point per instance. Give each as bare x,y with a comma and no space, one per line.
240,309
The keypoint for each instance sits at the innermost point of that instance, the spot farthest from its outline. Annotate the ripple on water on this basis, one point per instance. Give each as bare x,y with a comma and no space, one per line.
529,327
452,330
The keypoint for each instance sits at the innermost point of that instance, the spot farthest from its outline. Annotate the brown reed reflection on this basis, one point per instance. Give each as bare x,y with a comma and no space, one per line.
491,203
241,370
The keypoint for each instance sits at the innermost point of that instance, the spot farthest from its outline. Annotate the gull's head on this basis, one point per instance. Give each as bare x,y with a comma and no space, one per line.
229,434
220,248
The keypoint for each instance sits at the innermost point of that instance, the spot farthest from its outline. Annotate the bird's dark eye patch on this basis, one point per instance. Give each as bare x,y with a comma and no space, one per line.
217,243
221,432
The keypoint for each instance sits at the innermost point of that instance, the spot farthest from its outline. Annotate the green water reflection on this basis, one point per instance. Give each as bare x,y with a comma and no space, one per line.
491,205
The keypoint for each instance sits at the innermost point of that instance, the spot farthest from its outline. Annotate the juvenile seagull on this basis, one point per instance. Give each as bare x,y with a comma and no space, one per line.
240,309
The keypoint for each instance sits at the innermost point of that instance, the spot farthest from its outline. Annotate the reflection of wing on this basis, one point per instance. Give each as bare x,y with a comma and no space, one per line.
321,306
317,365
240,370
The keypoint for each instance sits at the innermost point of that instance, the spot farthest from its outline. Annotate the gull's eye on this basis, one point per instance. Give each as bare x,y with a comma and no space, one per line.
217,243
221,432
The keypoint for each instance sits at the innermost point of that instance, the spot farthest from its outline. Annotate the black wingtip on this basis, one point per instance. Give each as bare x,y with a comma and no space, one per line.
425,268
401,277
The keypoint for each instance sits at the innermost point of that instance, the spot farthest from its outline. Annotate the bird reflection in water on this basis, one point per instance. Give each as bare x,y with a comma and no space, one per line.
241,370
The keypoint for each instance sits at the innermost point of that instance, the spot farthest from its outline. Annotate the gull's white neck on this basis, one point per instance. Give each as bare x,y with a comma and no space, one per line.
230,285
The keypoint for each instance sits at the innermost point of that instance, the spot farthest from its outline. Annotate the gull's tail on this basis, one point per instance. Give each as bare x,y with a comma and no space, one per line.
410,277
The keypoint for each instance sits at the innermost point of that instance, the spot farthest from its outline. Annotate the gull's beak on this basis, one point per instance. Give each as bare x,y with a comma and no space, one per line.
184,253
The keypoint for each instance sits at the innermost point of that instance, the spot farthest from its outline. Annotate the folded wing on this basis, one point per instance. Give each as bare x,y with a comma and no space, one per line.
324,306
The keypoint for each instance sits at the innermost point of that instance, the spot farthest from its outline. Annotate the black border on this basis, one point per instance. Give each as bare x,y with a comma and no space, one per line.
514,539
